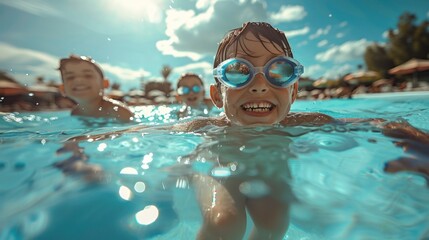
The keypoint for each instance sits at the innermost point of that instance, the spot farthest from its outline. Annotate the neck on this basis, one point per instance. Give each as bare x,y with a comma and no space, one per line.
89,107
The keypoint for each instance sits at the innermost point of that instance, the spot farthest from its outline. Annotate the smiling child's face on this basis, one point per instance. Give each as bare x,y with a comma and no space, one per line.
81,81
192,98
258,103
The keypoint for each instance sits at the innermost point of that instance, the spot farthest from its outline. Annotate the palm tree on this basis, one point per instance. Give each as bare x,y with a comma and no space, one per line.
166,71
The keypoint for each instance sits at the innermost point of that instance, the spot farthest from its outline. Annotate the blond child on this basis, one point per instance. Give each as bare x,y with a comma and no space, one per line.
84,82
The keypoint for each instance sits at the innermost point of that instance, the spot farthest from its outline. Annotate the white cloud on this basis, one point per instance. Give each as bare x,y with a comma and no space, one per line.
336,71
27,64
125,74
36,7
343,24
302,43
205,67
348,51
339,35
195,33
109,17
322,43
313,70
293,33
202,4
288,14
320,32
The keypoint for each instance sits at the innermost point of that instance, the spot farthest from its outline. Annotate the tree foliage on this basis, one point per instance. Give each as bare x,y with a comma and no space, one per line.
377,59
408,40
165,72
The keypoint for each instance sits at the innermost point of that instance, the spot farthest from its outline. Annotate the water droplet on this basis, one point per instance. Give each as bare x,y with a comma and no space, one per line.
221,172
115,108
109,39
43,141
100,108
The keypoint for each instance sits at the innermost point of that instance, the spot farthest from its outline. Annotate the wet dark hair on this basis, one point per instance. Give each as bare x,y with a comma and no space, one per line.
261,30
76,59
189,75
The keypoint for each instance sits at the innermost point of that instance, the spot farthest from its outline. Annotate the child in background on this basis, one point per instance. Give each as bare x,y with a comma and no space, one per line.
84,82
191,92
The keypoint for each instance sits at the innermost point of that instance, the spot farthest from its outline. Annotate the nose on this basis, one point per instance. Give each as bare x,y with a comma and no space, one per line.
259,84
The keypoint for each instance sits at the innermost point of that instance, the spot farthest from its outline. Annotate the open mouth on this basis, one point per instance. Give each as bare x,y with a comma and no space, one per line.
81,88
260,107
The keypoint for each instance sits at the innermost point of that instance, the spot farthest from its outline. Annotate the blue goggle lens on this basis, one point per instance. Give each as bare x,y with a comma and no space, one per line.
280,72
184,90
237,73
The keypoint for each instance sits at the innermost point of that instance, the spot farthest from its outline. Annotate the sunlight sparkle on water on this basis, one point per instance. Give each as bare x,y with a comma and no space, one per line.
129,170
125,193
140,187
101,147
148,215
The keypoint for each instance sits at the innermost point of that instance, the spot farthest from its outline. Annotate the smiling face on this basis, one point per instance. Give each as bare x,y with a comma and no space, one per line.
81,81
192,98
258,103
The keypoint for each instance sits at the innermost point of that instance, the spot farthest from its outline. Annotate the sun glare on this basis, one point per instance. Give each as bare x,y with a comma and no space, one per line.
150,11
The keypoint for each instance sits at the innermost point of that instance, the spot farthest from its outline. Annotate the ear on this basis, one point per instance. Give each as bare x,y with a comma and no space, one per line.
294,92
216,96
178,98
61,88
106,83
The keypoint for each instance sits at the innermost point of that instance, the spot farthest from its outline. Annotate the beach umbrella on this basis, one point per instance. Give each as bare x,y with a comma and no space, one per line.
8,88
362,77
116,94
136,93
411,66
382,82
156,93
161,99
325,83
43,89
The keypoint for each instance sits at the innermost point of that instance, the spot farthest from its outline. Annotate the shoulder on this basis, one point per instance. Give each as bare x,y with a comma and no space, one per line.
118,108
294,119
201,122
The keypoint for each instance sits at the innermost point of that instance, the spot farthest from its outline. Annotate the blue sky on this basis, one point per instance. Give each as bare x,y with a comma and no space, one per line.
133,39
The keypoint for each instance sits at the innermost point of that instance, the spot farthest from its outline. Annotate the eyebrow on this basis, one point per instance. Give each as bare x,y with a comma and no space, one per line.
84,71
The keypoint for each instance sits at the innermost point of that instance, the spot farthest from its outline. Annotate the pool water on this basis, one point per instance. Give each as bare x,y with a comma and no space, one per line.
338,187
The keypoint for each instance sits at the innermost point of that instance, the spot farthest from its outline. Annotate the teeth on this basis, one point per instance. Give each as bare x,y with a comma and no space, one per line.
80,87
257,107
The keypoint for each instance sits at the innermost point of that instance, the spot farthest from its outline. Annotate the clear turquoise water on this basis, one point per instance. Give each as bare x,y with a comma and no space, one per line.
337,179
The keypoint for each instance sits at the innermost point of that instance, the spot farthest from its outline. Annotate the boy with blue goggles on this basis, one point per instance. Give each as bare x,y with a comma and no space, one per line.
280,72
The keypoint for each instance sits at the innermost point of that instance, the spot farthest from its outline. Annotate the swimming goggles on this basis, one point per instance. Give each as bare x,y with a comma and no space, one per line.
184,90
279,71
